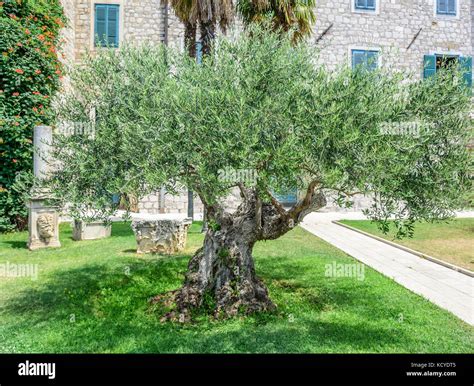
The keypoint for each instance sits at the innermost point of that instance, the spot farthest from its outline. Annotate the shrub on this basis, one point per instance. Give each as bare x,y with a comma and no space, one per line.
30,73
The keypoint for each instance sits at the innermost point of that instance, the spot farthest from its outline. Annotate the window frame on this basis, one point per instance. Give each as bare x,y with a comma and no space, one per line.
367,11
443,15
92,5
365,49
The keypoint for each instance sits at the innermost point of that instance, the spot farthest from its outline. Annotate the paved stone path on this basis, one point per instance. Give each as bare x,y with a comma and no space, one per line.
445,287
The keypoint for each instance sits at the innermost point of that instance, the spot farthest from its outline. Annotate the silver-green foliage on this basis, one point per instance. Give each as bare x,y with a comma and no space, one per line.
259,103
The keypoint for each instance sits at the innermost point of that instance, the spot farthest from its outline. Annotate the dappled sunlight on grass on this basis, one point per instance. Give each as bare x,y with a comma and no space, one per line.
92,296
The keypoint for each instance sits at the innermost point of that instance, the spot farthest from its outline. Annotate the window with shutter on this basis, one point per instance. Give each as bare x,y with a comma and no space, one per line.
106,25
367,59
368,5
446,7
433,63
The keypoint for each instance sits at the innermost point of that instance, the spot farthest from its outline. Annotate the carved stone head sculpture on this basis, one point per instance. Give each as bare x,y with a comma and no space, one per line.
46,226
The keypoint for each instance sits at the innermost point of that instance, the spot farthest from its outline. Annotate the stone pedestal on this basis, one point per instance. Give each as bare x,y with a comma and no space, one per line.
43,225
90,231
43,219
161,236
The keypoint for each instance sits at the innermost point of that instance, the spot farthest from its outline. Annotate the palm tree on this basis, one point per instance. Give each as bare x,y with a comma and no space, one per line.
296,16
185,11
206,14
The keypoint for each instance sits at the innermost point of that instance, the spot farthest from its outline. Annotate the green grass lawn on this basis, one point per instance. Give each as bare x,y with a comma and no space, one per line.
91,297
452,242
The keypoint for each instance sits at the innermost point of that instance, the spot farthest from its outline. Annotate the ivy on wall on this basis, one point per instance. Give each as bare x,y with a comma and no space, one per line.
30,73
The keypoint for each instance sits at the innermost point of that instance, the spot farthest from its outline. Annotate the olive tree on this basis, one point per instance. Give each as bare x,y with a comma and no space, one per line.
147,117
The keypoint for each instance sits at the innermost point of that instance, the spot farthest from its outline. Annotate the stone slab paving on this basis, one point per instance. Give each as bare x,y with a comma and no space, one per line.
451,290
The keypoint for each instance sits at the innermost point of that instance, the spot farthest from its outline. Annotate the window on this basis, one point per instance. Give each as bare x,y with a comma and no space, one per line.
366,5
287,197
446,7
106,25
367,59
199,52
433,63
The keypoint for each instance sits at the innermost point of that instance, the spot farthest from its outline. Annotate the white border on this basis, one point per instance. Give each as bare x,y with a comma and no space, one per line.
447,17
92,4
365,11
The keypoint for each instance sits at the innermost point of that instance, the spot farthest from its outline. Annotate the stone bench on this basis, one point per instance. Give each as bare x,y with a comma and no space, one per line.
164,236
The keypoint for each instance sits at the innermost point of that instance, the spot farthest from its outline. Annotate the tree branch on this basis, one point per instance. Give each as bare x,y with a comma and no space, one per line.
311,202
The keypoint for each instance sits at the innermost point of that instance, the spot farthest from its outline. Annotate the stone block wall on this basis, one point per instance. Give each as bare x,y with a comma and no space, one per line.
391,29
140,21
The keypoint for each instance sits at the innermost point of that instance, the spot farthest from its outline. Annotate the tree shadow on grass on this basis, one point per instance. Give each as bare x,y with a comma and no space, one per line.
111,313
122,229
80,291
16,244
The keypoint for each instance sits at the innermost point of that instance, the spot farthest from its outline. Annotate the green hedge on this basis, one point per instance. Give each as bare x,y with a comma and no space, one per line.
30,73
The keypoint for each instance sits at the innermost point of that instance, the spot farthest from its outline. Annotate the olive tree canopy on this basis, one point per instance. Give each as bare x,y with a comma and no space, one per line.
148,117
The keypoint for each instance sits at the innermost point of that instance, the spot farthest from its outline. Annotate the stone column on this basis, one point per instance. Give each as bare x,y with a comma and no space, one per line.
43,219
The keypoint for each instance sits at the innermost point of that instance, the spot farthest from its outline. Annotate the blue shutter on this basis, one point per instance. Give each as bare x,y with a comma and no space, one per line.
429,66
372,60
365,59
113,25
370,4
465,63
442,6
100,25
358,58
451,8
365,4
446,7
106,25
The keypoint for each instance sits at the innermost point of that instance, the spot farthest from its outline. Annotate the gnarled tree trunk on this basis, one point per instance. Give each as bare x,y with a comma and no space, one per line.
224,268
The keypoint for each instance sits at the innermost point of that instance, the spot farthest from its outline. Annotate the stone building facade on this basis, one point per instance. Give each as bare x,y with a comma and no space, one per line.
402,34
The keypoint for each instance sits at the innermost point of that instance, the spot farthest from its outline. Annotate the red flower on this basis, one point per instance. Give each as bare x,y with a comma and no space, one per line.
27,31
14,160
35,109
37,72
16,93
19,71
36,93
41,37
58,72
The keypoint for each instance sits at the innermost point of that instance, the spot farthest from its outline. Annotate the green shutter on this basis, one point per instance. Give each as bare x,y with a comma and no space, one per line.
429,66
466,67
100,25
113,23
